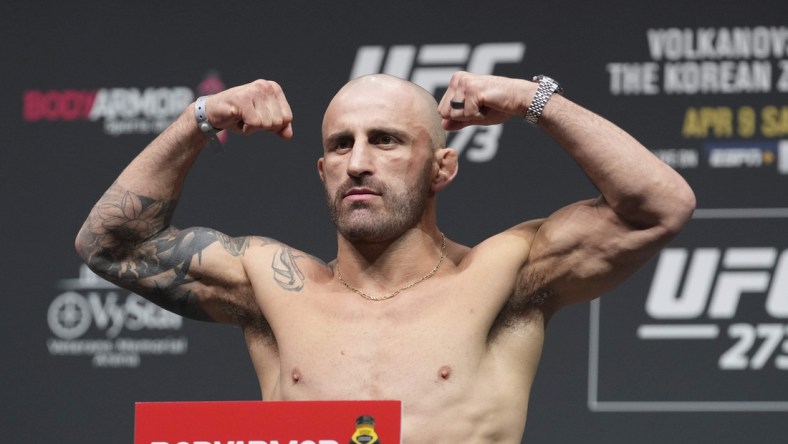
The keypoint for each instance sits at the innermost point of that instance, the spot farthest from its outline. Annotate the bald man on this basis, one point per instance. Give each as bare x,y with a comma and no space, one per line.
403,312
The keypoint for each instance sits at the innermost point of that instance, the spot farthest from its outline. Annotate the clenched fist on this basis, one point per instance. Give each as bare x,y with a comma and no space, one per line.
257,106
474,99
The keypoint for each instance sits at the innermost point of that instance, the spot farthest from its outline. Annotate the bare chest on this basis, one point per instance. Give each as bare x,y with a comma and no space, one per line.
431,348
372,350
332,344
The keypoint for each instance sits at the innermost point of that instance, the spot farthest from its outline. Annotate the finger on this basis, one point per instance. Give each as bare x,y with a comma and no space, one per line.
279,114
280,110
273,120
286,132
467,109
255,116
453,125
256,112
457,103
287,113
463,102
444,108
453,96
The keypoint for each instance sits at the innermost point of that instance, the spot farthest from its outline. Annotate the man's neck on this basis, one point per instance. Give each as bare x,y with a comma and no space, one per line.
384,267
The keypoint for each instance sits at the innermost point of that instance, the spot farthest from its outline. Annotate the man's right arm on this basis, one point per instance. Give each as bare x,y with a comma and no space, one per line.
127,237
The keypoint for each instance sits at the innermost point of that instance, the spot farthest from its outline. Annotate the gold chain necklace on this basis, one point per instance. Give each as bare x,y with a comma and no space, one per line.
411,285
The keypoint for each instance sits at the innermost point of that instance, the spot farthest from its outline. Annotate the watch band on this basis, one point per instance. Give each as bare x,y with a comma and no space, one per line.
205,126
547,87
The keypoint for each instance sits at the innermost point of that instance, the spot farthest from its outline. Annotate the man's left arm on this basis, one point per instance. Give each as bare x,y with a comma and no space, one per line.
586,248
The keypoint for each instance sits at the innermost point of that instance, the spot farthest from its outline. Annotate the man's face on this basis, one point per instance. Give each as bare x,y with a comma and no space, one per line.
378,161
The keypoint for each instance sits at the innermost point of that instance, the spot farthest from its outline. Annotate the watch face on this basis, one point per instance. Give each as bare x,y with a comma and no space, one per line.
543,78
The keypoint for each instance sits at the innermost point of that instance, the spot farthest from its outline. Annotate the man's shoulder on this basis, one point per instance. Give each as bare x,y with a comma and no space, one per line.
289,265
508,244
262,245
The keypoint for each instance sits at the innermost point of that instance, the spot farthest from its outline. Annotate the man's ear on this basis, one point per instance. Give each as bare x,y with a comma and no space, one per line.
447,168
320,169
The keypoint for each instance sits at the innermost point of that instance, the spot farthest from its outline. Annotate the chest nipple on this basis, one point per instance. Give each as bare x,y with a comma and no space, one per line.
296,376
444,373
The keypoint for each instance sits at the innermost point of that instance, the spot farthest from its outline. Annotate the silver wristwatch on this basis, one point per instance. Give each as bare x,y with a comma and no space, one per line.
547,87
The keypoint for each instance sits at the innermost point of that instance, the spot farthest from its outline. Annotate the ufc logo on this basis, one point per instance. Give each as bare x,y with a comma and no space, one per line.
431,67
714,281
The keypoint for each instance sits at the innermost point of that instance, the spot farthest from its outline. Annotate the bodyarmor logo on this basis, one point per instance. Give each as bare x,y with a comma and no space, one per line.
122,110
431,67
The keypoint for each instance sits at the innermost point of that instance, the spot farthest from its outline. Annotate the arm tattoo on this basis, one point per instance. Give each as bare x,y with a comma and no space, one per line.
234,246
120,220
127,239
286,271
118,225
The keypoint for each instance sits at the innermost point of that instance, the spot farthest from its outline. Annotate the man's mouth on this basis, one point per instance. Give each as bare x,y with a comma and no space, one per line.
360,193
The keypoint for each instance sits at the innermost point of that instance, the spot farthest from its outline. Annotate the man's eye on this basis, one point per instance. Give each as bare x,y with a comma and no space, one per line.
386,140
344,145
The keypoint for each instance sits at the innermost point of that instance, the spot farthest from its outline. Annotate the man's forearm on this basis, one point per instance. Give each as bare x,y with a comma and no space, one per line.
160,170
640,188
140,203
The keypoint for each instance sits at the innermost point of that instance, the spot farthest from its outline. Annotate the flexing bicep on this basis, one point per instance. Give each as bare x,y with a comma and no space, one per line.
195,272
198,272
584,250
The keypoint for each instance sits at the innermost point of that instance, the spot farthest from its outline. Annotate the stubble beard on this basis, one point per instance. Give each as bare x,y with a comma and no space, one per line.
361,222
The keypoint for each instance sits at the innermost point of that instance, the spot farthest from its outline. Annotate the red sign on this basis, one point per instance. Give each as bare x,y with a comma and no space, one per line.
268,422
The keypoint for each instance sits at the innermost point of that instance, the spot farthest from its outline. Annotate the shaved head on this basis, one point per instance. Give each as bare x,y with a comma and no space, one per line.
402,94
382,139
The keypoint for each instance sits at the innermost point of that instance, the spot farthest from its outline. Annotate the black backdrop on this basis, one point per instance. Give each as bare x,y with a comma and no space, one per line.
703,84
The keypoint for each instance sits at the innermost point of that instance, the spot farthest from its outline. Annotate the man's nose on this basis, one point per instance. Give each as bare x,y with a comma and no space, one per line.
360,161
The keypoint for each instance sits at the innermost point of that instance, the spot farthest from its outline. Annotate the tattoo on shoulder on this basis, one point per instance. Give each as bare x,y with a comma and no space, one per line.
286,271
284,265
236,246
